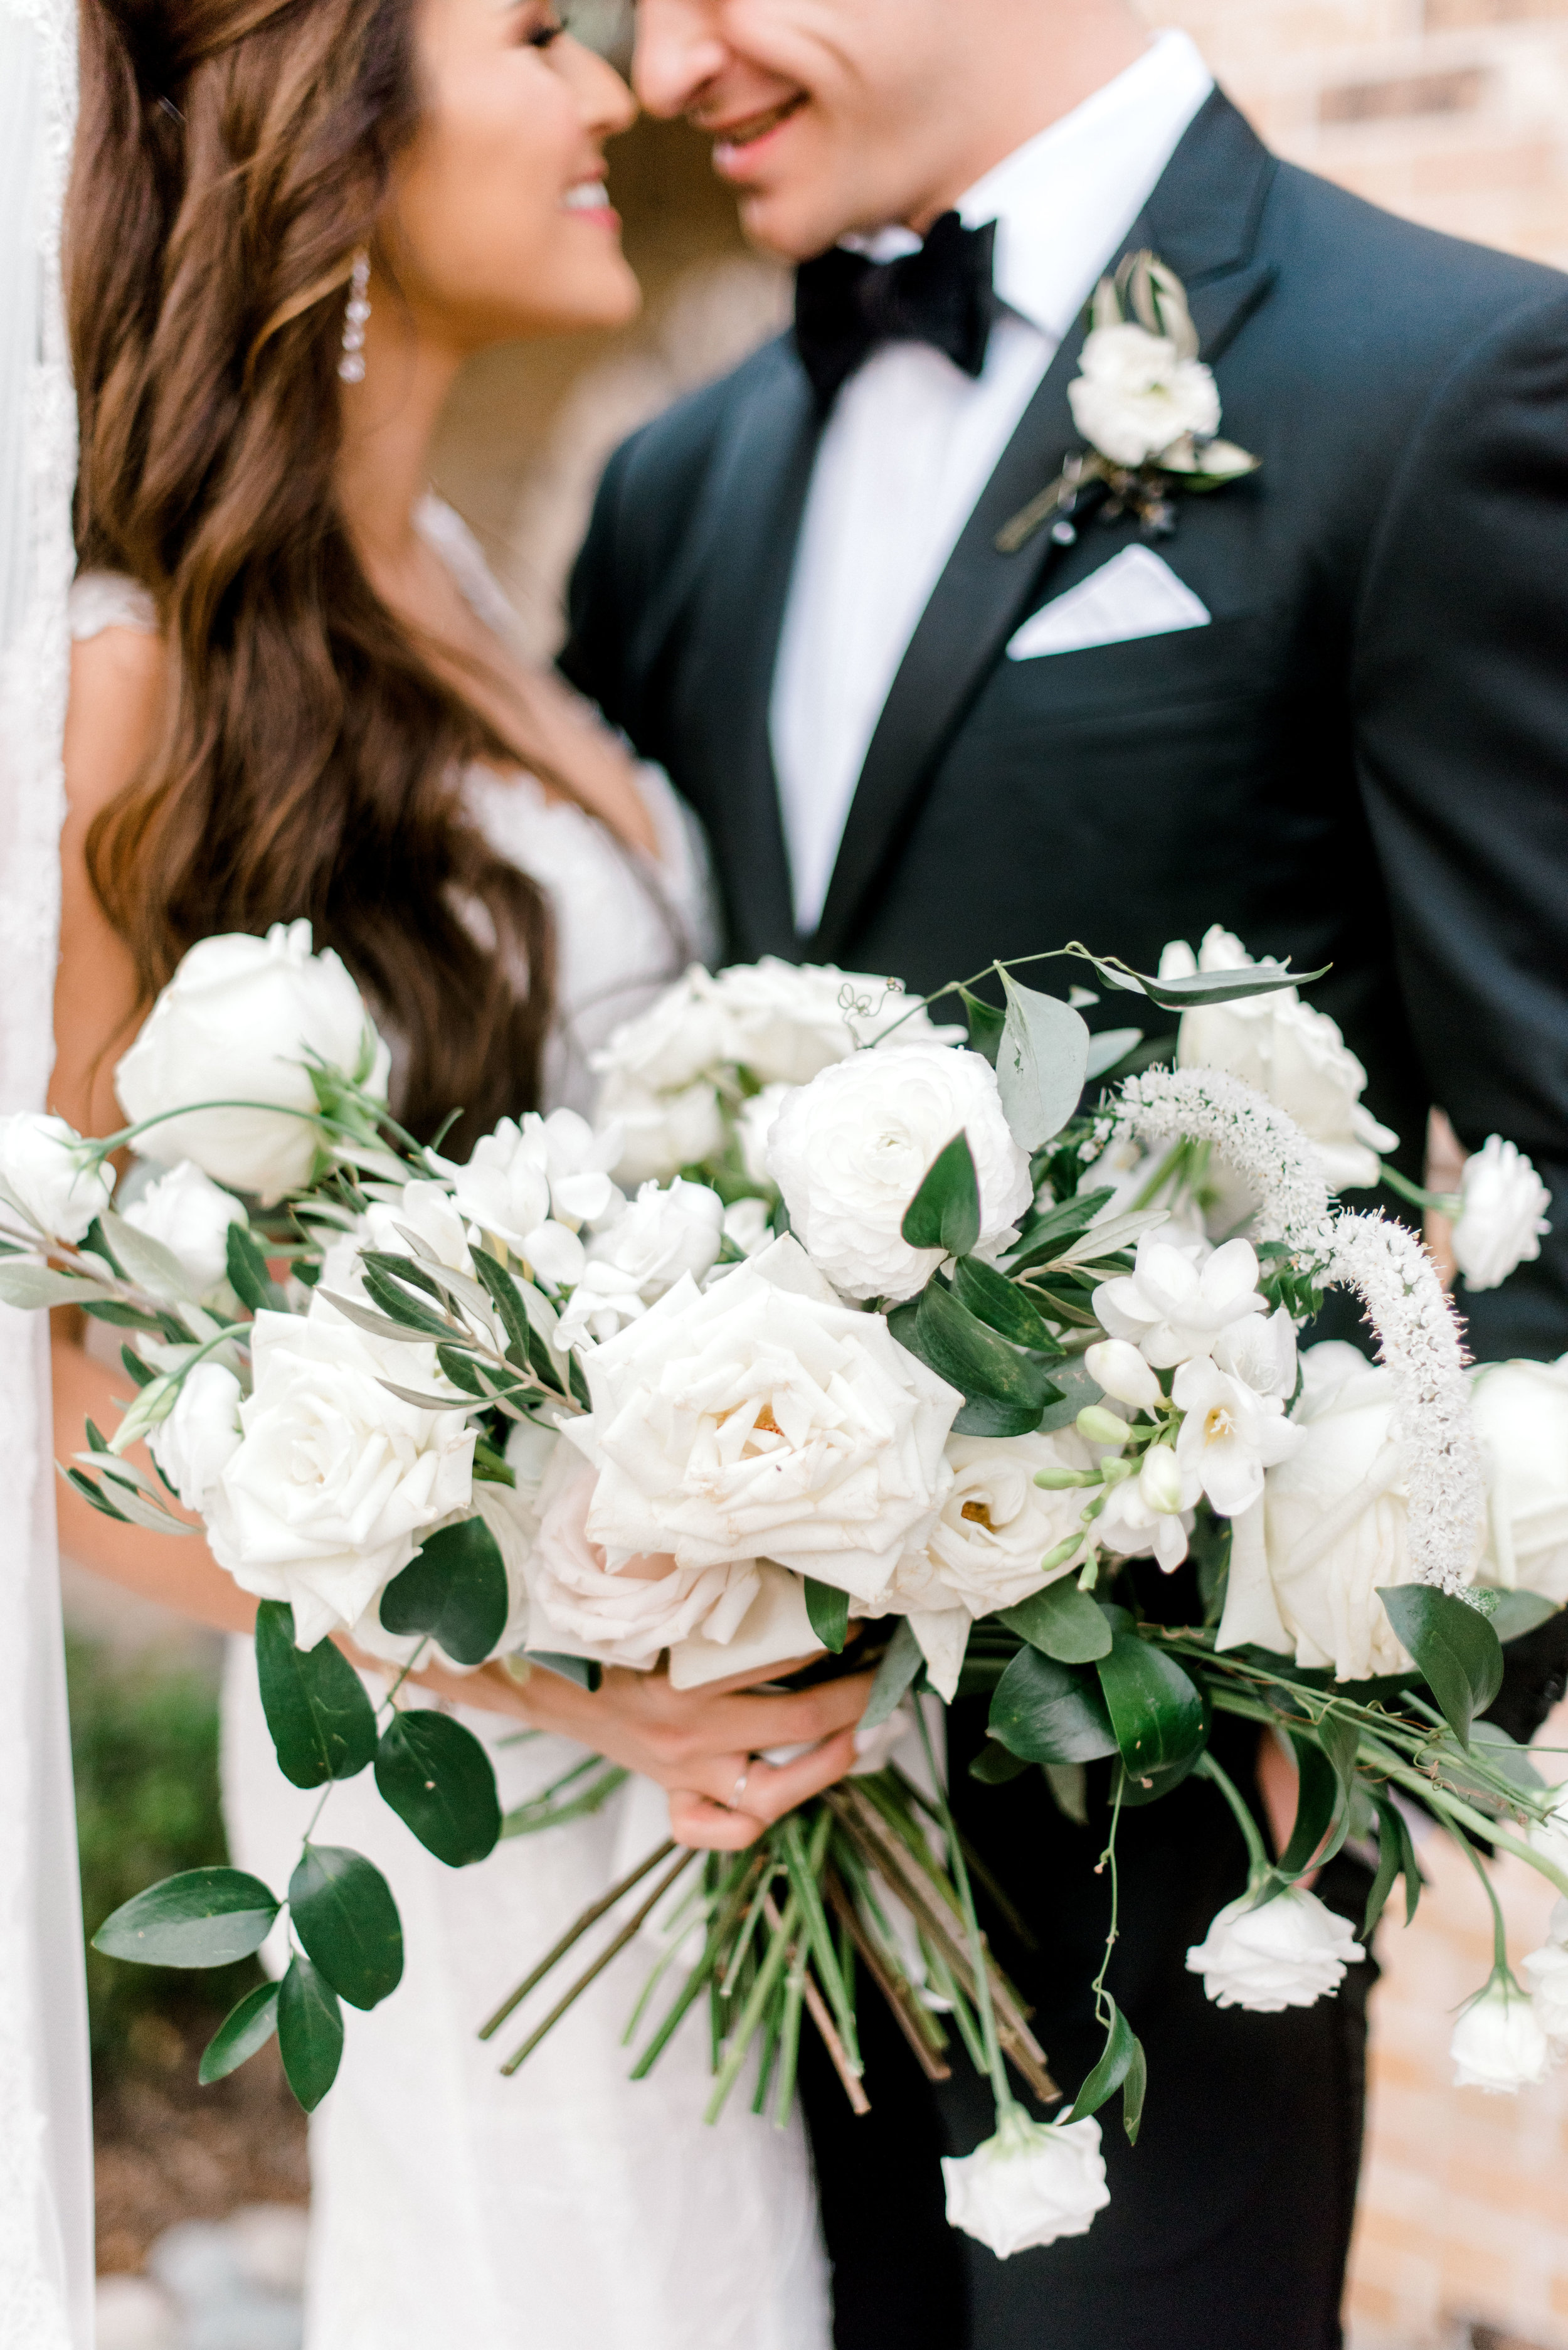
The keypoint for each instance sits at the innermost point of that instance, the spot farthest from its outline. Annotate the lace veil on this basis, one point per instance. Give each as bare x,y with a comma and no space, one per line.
45,2153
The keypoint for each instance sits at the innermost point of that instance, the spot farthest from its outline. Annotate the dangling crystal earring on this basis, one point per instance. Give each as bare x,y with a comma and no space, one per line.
352,366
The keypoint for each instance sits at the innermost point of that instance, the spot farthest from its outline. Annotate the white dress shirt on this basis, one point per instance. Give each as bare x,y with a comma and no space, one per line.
912,441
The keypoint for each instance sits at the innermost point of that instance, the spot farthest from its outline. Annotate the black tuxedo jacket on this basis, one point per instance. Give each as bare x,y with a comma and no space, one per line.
1361,762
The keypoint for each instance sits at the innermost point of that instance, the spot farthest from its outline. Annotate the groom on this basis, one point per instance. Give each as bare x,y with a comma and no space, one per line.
1329,712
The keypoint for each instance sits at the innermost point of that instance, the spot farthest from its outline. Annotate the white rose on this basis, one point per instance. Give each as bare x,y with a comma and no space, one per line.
786,1021
1497,2044
243,1020
194,1444
45,1167
336,1480
1288,1952
1546,1972
1521,1414
997,1523
1028,2184
630,1614
1175,1302
1289,1051
754,1125
684,1032
660,1133
1136,396
633,1262
1503,1220
763,1419
191,1216
851,1150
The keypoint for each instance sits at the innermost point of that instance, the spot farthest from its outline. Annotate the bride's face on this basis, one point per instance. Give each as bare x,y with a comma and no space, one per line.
498,224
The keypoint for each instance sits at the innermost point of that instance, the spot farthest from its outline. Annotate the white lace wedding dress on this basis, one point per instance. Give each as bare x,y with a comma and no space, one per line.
568,2207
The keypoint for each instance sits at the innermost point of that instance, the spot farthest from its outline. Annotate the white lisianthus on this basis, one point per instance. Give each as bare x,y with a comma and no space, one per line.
245,1019
660,1133
1546,1972
1116,1366
1521,1417
194,1444
1289,1952
1137,397
428,1211
190,1215
1149,1515
46,1167
1499,2045
765,1419
1287,1050
1031,2184
1230,1434
997,1523
336,1480
851,1150
630,1614
1504,1219
532,1185
632,1262
754,1123
1175,1302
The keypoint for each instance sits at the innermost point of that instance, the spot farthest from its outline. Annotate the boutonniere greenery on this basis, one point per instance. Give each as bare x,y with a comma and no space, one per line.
1147,408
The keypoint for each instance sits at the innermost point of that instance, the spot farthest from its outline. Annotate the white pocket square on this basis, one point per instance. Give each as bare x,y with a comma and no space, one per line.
1133,595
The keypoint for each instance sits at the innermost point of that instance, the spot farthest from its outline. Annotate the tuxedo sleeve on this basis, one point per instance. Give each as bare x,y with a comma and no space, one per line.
1460,710
597,631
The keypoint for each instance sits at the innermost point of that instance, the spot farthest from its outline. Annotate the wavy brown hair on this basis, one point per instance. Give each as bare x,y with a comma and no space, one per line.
231,155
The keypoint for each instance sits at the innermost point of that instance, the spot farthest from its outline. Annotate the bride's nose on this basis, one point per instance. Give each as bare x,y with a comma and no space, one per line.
608,107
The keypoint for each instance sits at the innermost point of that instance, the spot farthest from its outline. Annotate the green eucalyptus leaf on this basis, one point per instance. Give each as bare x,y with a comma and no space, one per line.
454,1592
828,1609
1157,1711
245,2029
147,1262
1062,1622
342,1910
996,1765
1041,1066
1044,1712
1519,1612
585,1670
945,1212
203,1917
985,1025
1457,1650
392,1297
309,2033
1108,1047
440,1782
322,1722
1203,987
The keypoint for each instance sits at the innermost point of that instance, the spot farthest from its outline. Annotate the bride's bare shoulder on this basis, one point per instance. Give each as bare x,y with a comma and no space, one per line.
118,672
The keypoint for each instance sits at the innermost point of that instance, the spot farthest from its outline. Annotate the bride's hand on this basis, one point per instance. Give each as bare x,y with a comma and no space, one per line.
703,1745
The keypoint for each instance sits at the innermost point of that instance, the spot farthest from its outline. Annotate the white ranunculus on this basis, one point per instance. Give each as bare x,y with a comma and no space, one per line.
997,1523
1503,1220
44,1165
1546,1972
765,1419
194,1444
1149,1515
190,1215
1116,1366
787,1022
1230,1433
851,1150
1030,2184
1497,2044
1174,1304
753,1123
660,1133
1136,396
1287,1050
243,1020
633,1262
1521,1416
627,1615
336,1480
1290,1951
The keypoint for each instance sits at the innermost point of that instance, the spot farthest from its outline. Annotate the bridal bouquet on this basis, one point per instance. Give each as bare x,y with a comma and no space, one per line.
837,1330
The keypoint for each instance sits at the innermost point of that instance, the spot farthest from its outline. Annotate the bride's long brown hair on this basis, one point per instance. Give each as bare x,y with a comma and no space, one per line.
231,157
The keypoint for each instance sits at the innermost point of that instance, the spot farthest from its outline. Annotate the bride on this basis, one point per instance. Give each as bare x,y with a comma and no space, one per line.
293,693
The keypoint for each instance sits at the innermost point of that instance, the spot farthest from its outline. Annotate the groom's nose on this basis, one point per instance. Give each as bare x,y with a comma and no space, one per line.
678,51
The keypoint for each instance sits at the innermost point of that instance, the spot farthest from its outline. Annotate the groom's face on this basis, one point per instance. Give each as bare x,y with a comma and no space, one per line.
827,115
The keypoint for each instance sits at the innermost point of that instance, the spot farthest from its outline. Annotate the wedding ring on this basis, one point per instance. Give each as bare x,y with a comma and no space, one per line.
739,1788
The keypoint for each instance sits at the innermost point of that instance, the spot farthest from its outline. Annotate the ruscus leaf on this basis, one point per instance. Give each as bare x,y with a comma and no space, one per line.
245,2029
1156,1709
322,1722
454,1592
945,1212
1044,1712
342,1910
828,1609
1062,1622
202,1917
309,2033
1457,1652
440,1782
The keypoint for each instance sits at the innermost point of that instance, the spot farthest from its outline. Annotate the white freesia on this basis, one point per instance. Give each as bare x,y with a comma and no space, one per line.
660,1133
1137,397
46,1167
1499,2045
754,1123
1230,1434
244,1020
1546,1973
1289,1952
1174,1305
1502,1220
763,1419
337,1479
851,1150
427,1210
190,1215
1149,1515
997,1523
632,1262
1521,1414
1031,2184
532,1186
1289,1051
627,1615
194,1444
1116,1366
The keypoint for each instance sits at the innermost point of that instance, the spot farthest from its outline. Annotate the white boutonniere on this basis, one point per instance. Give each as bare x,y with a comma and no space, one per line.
1147,406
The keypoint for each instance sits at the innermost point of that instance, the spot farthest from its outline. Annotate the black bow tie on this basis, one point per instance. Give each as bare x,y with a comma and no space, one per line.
845,306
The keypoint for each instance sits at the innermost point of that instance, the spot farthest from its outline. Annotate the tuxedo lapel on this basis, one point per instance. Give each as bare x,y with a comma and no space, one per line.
1202,219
